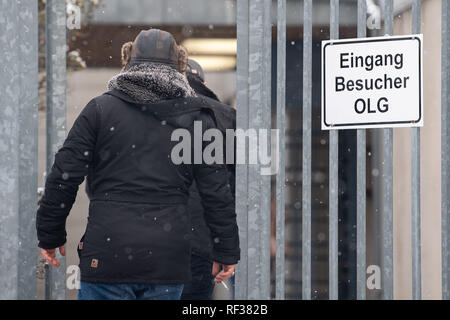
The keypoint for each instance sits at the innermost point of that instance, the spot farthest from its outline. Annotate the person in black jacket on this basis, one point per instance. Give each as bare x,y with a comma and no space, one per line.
137,239
201,285
196,78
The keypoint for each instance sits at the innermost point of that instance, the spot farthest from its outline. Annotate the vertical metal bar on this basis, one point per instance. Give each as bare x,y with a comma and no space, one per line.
266,124
47,282
281,126
306,152
388,265
361,184
28,128
376,219
18,146
9,140
415,183
445,146
334,178
256,71
56,108
242,78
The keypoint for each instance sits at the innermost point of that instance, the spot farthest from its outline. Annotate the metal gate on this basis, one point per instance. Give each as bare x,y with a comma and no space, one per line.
254,19
18,160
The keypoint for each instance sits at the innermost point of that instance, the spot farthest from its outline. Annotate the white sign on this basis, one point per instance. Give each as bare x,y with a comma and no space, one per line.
372,82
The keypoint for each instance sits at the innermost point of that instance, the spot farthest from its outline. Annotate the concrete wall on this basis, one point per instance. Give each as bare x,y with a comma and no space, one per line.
430,167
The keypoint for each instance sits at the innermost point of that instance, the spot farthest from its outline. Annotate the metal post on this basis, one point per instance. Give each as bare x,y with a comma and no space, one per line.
376,219
388,265
9,140
281,157
242,123
56,108
253,201
28,126
266,124
256,121
254,185
306,153
18,144
415,183
361,184
445,146
334,177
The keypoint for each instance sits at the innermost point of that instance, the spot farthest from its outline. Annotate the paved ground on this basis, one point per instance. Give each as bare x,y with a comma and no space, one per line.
82,87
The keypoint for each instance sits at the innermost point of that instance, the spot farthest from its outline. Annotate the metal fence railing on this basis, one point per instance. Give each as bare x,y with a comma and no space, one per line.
251,66
18,148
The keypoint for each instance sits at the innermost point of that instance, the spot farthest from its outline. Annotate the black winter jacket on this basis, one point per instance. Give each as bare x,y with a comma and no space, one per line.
138,225
201,239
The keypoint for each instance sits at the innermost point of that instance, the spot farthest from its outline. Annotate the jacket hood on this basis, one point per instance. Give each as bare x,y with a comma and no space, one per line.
152,82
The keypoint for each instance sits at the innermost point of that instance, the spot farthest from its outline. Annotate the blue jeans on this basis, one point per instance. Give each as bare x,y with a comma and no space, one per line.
202,284
119,291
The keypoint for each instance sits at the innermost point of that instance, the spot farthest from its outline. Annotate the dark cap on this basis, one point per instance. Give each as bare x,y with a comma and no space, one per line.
154,45
195,68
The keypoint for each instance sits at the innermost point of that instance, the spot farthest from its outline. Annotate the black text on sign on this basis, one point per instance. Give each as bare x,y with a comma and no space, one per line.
372,82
